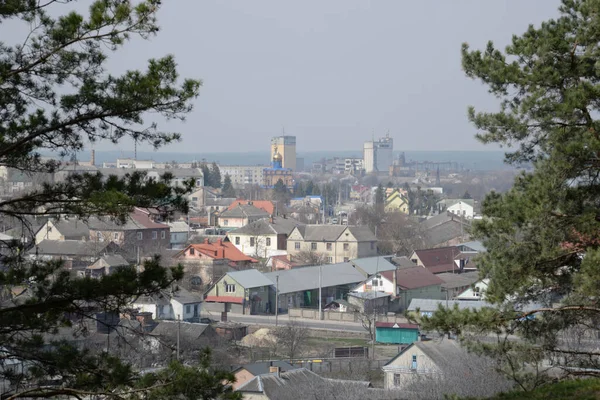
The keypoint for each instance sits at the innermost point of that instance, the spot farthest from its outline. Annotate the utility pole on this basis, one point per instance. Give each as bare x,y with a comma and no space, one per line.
276,299
320,296
178,333
374,332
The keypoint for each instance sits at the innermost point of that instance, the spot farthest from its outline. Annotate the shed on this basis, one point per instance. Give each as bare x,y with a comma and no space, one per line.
390,332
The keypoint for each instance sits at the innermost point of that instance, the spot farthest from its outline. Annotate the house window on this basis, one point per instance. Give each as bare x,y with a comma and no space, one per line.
313,246
226,222
397,380
375,282
237,240
268,241
188,309
154,235
194,199
372,245
192,251
346,246
140,235
251,242
163,234
116,236
329,260
346,259
229,288
413,365
329,246
297,245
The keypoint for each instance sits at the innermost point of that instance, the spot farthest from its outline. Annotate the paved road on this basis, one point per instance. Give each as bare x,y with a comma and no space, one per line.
283,319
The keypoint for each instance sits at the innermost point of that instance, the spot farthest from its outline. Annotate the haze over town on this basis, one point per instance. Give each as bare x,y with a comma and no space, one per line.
286,200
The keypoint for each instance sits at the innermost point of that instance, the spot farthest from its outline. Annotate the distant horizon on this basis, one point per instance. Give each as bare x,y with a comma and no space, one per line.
468,159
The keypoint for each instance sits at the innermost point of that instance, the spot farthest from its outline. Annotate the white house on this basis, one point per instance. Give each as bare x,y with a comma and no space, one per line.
377,283
476,292
460,207
180,304
263,238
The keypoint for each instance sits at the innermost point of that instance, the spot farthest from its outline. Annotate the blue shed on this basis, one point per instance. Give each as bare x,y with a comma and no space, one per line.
390,332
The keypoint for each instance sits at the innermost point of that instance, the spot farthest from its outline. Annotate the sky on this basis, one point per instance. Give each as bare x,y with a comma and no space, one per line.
332,73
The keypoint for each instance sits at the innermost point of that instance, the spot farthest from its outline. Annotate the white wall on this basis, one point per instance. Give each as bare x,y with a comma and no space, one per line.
461,208
384,285
477,292
260,248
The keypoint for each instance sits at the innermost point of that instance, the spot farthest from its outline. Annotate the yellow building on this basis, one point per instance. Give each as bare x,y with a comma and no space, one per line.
397,201
286,147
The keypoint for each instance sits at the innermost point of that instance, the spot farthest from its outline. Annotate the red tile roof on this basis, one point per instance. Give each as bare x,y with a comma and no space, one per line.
416,277
265,205
395,325
219,250
225,299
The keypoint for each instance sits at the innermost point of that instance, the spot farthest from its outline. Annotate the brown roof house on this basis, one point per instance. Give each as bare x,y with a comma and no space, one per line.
438,260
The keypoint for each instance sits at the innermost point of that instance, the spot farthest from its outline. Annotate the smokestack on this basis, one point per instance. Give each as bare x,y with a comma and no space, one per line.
275,371
93,158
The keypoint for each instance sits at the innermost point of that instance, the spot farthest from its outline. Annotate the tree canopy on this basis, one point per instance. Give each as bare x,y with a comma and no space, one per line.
542,239
227,190
56,96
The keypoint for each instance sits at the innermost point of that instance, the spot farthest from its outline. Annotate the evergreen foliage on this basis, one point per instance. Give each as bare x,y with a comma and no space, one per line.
215,176
228,190
543,247
56,96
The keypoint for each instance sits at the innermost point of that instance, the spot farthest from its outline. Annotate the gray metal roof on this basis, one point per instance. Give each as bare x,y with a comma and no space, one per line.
68,248
260,368
72,228
431,305
475,245
331,233
250,278
244,211
298,378
373,265
187,330
307,278
452,281
268,226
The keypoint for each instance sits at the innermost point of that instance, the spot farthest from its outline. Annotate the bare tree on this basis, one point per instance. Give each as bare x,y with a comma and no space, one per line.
401,235
367,316
309,257
291,338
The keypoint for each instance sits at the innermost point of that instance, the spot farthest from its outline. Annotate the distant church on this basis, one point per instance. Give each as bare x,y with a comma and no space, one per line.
277,172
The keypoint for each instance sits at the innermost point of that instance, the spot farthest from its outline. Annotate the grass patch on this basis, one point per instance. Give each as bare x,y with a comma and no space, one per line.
580,389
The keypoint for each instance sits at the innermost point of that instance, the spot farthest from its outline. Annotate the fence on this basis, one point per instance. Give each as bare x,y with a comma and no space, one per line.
347,365
309,313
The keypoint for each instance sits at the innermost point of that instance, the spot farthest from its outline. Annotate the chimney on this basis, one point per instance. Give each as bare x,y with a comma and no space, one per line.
271,219
93,158
395,282
220,242
206,241
275,371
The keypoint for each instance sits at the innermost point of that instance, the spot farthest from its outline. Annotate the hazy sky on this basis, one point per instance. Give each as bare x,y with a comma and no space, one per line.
331,72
